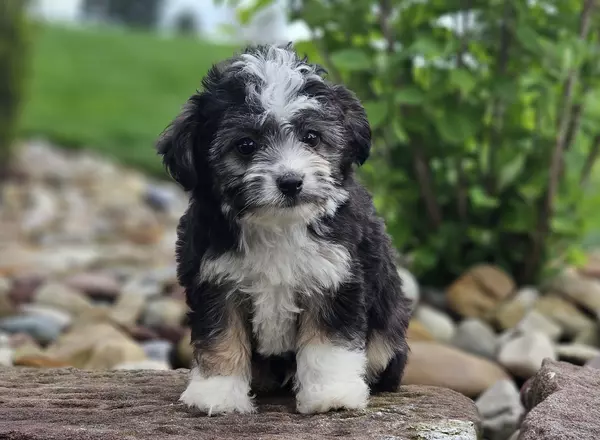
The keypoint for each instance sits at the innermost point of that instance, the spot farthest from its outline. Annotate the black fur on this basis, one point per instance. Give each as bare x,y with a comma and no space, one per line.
197,153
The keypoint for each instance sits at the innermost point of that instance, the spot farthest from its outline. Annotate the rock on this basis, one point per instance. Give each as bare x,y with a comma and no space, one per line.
433,297
439,325
164,312
141,226
501,409
476,337
583,291
563,403
60,317
128,309
512,311
594,363
72,404
158,350
534,321
62,297
565,314
576,353
143,365
7,308
431,363
96,346
170,333
24,288
410,286
6,351
417,332
43,328
478,292
95,284
42,211
141,333
25,346
147,286
523,355
589,336
39,361
515,435
185,352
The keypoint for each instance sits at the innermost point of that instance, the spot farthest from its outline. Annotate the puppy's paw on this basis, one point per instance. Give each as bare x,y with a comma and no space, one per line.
218,395
330,377
322,397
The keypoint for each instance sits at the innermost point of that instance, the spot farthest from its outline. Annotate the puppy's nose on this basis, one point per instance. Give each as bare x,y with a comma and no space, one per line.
290,184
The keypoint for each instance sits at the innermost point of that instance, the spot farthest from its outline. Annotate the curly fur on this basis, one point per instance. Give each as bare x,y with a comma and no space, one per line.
293,290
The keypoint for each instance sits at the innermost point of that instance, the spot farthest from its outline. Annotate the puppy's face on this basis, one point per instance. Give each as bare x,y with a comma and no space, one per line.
272,139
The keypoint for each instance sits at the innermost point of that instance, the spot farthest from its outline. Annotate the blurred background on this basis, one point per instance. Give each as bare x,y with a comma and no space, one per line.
486,124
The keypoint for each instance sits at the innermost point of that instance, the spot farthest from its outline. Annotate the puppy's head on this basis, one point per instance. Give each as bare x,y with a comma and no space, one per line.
268,138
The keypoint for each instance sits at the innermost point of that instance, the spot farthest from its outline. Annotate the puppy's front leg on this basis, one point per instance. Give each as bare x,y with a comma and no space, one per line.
330,369
220,378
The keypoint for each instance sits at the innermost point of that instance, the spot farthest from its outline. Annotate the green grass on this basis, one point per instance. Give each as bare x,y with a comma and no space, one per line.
112,91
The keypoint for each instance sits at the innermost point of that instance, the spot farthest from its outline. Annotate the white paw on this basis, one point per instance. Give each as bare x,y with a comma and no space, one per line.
218,394
330,377
320,398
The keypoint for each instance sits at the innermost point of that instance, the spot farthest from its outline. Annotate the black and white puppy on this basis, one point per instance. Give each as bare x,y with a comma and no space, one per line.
289,273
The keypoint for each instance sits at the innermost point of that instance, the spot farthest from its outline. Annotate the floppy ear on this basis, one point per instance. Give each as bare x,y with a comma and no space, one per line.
356,122
176,145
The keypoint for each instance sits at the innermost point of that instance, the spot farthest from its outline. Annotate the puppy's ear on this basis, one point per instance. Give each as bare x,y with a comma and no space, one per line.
176,146
356,122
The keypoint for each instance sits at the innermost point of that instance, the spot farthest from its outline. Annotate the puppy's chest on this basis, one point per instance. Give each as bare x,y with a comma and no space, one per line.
273,272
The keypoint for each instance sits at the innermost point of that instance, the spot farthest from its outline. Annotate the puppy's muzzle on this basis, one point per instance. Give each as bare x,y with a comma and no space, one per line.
290,184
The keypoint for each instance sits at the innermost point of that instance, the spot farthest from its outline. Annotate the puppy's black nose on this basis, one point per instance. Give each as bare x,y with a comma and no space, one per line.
290,184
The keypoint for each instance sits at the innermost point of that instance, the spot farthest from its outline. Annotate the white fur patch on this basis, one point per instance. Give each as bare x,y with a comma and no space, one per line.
330,377
218,394
276,263
282,78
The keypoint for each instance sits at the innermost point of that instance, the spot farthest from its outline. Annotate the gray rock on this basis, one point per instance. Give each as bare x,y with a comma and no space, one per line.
43,328
158,350
439,324
535,321
477,337
576,353
144,405
563,401
523,355
60,317
501,409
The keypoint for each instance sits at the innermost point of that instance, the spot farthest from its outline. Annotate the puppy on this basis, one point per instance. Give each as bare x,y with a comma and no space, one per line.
289,273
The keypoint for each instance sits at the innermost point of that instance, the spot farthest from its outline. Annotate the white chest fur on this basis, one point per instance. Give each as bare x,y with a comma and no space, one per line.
275,266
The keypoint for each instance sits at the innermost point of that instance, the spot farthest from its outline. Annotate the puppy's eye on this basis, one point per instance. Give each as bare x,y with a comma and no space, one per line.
246,146
311,138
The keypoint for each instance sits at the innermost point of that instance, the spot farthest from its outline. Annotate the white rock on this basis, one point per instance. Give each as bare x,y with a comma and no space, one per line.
439,324
523,355
535,321
410,286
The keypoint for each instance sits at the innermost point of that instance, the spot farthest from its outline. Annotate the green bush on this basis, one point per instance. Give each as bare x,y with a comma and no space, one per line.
13,55
484,139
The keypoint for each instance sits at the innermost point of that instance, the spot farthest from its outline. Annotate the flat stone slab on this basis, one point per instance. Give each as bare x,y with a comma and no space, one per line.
48,404
563,402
